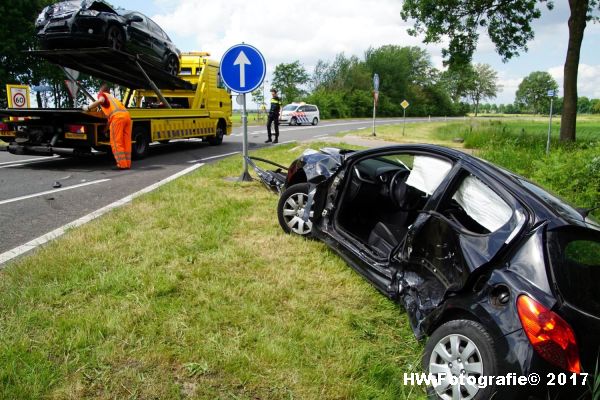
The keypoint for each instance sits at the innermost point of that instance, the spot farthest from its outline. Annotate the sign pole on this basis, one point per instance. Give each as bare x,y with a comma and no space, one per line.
404,118
374,116
375,97
549,127
245,175
551,94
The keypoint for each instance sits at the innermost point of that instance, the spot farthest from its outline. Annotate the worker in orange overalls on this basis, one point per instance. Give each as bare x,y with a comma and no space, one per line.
119,122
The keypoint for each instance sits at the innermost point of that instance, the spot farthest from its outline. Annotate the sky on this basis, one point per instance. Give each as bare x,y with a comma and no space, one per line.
313,30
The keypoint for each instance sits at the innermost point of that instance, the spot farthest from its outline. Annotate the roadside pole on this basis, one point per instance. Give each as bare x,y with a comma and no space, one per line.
404,105
551,94
375,98
245,175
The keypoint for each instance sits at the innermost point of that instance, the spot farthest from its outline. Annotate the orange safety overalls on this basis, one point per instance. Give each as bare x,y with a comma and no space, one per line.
120,125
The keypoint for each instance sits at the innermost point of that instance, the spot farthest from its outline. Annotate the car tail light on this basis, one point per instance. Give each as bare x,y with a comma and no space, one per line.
549,334
75,128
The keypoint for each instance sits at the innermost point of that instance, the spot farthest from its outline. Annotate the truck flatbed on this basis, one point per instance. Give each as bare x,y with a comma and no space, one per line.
52,112
113,66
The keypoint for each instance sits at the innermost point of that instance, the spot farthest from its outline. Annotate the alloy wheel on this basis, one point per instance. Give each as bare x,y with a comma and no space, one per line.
293,211
452,357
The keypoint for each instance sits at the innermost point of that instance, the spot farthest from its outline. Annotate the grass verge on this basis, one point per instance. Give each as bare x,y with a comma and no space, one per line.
193,291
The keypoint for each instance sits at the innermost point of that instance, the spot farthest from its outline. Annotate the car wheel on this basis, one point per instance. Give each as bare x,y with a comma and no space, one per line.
114,38
315,121
172,65
140,148
290,210
460,348
293,121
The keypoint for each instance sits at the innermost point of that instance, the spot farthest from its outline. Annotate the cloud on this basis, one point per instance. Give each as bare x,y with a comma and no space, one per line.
588,79
289,31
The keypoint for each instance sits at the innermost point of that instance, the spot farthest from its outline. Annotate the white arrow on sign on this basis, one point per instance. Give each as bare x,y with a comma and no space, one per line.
242,61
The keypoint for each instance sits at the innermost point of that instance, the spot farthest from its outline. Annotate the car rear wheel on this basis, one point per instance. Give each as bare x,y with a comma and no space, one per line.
315,121
172,65
460,350
290,210
115,38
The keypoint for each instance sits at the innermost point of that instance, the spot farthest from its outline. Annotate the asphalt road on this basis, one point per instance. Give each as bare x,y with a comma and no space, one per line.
40,194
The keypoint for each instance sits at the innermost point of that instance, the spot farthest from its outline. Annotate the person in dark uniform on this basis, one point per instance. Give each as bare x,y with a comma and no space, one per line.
273,116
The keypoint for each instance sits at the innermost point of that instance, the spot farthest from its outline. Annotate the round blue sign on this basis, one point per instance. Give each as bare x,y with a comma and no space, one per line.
243,68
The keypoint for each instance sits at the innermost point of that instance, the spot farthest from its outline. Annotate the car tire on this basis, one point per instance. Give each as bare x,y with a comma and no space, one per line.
172,65
291,208
141,137
293,121
315,121
115,38
446,352
218,138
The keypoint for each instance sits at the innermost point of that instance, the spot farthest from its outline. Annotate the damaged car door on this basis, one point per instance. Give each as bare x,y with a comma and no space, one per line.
473,222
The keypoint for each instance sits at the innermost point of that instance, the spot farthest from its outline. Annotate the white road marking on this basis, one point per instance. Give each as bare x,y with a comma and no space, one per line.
213,157
28,160
17,251
30,196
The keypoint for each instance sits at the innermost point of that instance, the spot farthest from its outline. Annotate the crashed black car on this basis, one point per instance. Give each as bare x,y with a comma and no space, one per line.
95,23
499,274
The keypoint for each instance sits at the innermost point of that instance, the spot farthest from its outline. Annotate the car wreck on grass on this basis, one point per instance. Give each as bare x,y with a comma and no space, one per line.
498,273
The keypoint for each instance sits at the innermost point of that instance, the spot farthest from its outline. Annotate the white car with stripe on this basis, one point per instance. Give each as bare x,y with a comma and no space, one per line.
300,113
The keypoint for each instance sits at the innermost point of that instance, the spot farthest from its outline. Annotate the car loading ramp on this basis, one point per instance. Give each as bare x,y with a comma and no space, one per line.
114,66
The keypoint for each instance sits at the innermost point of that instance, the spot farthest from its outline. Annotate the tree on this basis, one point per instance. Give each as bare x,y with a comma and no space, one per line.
508,25
483,84
288,78
532,93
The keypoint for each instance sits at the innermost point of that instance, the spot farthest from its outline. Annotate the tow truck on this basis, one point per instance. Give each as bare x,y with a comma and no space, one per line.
163,107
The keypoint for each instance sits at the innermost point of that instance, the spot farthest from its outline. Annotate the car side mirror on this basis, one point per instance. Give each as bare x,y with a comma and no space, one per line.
135,18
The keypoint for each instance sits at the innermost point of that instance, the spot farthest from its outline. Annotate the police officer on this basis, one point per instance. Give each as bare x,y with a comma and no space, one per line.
273,116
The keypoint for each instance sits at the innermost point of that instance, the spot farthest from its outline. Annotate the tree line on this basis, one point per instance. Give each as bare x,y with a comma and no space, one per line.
344,87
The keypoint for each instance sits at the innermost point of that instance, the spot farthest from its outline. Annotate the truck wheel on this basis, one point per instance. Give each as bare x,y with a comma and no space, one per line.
218,138
140,148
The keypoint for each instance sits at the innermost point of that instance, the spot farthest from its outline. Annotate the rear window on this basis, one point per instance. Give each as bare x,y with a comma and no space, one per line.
575,258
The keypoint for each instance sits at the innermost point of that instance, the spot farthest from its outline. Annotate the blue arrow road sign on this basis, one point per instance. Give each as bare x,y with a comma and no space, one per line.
243,68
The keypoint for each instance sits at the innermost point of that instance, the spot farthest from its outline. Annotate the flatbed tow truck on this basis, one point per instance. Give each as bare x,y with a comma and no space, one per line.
194,104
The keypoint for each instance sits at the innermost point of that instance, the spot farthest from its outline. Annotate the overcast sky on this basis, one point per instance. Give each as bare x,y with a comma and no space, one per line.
315,29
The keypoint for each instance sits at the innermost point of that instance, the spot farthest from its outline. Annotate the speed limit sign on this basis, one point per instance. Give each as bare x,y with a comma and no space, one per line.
18,96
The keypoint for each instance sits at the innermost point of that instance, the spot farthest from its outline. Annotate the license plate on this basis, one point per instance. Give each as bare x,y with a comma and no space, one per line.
79,136
8,133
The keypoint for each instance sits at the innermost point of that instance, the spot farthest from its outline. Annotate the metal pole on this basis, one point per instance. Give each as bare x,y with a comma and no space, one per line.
549,127
245,175
404,123
374,116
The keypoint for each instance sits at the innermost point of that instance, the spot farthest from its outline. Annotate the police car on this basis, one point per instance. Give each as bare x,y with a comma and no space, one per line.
300,113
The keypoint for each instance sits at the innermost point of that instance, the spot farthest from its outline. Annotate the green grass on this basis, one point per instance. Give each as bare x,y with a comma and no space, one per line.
193,291
253,119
